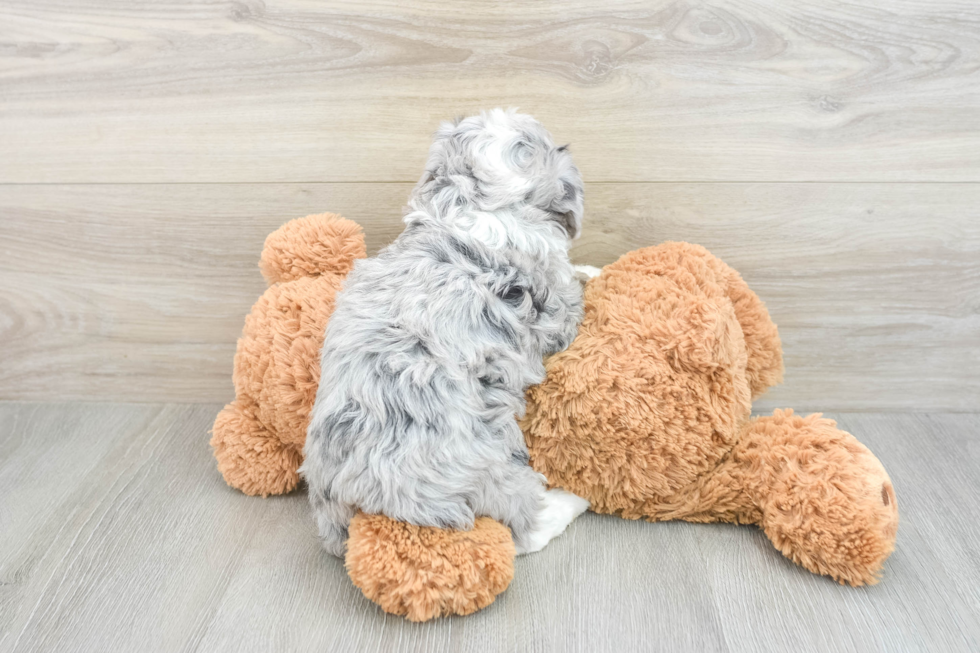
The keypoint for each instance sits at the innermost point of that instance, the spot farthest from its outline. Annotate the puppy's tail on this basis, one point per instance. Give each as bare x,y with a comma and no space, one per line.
325,243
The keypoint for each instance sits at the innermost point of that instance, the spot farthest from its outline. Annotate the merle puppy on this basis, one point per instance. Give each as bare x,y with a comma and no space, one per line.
434,341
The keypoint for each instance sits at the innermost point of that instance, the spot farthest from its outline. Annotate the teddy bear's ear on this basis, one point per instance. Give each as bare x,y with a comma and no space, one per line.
765,352
703,334
764,368
318,244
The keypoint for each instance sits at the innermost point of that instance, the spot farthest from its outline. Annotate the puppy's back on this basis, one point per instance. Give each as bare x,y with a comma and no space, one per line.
422,372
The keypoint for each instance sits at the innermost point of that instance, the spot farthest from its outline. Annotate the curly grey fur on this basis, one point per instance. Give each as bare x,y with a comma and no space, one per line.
433,342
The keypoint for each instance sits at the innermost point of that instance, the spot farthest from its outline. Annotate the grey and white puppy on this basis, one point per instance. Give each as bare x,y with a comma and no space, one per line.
433,342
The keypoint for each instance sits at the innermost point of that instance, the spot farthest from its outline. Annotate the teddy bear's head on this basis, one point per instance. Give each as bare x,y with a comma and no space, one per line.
655,388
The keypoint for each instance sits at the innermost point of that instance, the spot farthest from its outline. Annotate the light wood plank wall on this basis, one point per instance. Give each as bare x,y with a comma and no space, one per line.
828,151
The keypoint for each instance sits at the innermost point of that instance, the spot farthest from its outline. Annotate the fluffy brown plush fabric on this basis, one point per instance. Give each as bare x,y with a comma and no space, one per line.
423,573
821,496
647,415
258,438
653,391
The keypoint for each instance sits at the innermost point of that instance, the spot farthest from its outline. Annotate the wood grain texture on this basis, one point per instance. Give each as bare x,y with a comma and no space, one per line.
119,535
139,292
669,90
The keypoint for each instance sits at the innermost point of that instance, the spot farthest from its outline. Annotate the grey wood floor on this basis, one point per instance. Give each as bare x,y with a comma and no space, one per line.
117,534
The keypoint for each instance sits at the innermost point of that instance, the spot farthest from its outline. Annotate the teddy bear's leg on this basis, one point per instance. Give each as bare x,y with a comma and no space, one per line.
249,456
422,572
825,500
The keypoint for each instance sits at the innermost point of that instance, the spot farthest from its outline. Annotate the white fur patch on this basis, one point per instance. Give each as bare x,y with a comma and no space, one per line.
587,272
558,509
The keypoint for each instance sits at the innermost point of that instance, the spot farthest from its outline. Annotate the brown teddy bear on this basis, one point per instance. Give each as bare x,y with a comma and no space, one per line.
647,415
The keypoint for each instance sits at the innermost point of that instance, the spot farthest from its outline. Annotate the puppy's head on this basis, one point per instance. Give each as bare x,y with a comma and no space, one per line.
501,160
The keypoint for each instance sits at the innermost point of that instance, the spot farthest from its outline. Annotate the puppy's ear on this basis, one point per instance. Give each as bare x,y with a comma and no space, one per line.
435,164
445,154
567,217
567,205
424,189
